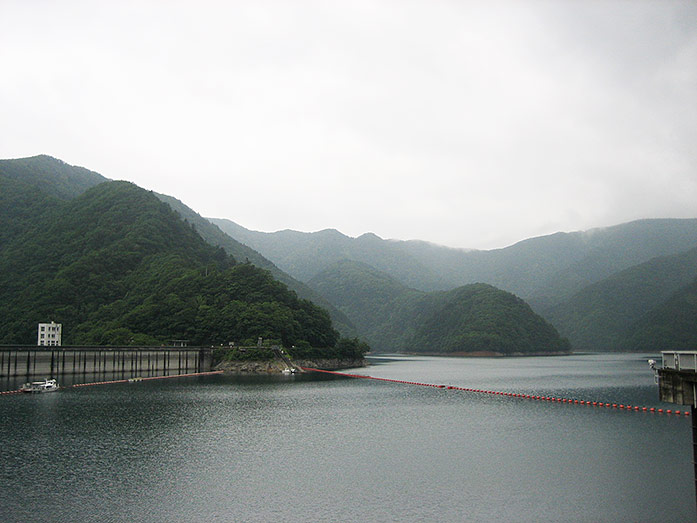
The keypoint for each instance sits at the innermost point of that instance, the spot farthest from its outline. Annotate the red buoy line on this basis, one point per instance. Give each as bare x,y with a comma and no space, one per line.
148,378
19,391
552,399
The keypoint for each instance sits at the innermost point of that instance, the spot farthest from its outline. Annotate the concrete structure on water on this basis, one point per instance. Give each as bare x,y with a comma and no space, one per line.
677,383
53,361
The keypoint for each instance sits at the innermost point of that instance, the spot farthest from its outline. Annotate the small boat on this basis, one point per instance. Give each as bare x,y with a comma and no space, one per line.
40,386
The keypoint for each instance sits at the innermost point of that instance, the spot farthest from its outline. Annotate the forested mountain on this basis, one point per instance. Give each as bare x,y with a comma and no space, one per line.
44,174
604,288
31,187
544,271
116,265
591,285
482,318
303,255
214,236
670,326
601,316
472,318
378,305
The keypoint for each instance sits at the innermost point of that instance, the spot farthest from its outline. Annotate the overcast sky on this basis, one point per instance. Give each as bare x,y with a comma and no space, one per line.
470,124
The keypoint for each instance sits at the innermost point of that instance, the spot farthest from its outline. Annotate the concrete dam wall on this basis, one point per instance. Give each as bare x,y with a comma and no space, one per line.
33,361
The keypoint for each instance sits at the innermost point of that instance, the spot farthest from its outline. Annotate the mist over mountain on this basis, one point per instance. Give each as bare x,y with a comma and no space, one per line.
544,271
591,285
45,174
304,255
469,319
604,289
602,315
669,326
214,236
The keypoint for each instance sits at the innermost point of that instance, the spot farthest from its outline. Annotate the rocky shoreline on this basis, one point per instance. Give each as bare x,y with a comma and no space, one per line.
278,366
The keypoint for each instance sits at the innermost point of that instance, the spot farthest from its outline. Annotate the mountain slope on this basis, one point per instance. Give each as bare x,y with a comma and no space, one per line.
670,326
34,187
598,316
368,297
116,265
614,249
50,175
473,318
545,271
23,179
216,237
481,318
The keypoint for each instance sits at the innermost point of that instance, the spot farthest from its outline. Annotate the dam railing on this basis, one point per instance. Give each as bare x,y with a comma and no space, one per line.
29,360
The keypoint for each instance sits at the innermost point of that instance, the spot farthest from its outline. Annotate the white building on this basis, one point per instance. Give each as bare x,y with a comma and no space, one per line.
49,334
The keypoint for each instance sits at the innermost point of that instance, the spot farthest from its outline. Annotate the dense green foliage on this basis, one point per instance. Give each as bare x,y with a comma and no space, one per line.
214,236
670,326
345,349
601,316
49,176
482,318
115,265
472,318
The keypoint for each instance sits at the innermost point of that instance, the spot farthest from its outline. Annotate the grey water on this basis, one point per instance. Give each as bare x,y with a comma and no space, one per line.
325,448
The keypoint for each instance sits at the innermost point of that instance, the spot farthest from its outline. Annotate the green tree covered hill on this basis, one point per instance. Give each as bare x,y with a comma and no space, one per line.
481,318
44,174
670,326
31,187
601,316
116,265
214,236
473,318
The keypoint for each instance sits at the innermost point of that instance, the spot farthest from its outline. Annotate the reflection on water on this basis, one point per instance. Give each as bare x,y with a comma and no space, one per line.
321,448
68,380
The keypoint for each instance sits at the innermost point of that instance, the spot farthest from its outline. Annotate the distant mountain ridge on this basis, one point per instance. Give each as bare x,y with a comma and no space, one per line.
303,255
214,236
47,174
545,271
601,315
592,285
670,326
471,318
612,288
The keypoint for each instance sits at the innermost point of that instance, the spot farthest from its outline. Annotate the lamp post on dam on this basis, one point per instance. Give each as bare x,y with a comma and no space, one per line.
677,383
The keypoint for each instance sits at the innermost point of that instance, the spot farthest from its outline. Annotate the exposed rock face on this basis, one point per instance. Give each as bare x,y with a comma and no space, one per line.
276,367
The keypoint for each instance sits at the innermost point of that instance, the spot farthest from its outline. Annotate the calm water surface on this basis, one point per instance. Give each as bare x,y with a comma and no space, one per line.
318,448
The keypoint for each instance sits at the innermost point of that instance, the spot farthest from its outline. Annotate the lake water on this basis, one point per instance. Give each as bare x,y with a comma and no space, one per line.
324,448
